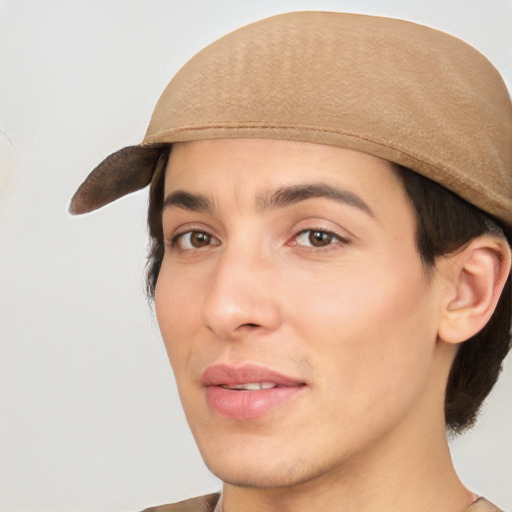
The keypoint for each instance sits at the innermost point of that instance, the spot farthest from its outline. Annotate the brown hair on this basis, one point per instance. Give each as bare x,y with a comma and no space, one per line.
445,222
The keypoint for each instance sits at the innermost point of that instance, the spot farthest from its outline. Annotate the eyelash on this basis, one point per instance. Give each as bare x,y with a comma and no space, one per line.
335,239
175,240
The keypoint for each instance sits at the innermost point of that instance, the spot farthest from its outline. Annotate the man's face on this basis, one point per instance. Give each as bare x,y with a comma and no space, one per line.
295,309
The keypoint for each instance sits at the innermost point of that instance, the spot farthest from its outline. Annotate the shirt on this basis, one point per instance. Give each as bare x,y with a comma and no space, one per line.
213,503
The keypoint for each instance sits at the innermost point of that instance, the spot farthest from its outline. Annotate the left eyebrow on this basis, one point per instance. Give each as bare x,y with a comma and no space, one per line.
289,195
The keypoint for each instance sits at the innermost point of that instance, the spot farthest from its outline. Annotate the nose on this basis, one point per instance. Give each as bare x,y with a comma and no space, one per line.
241,297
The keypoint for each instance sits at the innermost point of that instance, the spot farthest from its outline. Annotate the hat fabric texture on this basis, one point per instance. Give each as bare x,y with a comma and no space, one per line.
391,88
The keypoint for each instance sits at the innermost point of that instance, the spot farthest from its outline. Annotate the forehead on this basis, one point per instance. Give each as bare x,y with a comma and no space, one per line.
301,155
245,171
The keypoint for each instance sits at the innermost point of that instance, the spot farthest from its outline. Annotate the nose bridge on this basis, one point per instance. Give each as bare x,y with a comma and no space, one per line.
240,291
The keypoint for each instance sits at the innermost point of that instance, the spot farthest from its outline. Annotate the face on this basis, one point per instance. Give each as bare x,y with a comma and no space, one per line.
294,308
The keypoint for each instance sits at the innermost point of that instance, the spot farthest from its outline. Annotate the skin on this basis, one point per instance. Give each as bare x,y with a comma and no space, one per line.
355,319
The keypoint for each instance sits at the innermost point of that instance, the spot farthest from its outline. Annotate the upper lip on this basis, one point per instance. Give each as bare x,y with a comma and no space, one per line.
222,374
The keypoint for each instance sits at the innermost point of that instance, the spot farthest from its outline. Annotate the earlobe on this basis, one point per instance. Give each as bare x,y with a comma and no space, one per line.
475,278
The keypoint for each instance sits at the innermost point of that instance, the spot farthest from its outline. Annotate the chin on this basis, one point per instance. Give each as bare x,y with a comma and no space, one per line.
269,474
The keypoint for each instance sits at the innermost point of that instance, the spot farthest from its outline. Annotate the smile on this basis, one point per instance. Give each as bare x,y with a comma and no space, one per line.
252,386
248,391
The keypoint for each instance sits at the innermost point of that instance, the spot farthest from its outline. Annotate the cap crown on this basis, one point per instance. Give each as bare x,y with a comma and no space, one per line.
397,90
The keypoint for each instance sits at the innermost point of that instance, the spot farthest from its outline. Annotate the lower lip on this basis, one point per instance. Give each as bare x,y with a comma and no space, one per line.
247,405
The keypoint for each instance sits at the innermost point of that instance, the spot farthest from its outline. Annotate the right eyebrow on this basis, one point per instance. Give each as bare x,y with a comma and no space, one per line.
188,201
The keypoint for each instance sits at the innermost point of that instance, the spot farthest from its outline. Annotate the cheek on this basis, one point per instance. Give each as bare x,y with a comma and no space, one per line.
176,307
372,333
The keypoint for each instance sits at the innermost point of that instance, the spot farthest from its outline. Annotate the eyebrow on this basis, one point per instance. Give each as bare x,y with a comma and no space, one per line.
289,195
188,201
279,198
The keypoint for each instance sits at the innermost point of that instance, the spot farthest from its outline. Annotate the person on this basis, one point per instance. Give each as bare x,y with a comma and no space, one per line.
330,215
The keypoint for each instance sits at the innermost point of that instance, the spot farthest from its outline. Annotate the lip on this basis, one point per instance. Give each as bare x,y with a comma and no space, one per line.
244,404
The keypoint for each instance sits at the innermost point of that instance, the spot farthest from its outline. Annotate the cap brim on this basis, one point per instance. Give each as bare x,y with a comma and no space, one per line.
125,171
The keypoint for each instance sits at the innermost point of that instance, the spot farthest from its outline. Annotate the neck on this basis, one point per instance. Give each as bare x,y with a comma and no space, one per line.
404,472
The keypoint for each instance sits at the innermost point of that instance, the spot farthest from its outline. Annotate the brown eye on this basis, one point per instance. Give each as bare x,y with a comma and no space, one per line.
195,240
316,238
319,238
198,239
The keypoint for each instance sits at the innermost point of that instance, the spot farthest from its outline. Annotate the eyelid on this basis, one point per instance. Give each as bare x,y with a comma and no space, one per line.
180,235
337,239
340,235
324,224
171,240
317,230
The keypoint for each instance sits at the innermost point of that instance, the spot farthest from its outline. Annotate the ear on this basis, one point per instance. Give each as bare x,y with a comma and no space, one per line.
474,279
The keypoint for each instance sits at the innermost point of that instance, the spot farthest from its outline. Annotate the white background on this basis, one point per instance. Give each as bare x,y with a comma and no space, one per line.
89,416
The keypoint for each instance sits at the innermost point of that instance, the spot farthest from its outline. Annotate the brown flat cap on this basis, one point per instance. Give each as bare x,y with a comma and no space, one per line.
391,88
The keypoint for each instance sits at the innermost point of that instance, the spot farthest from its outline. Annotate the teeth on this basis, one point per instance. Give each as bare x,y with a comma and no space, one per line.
252,386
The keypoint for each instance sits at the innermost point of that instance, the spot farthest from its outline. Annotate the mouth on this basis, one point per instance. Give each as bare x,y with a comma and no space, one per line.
251,386
248,391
